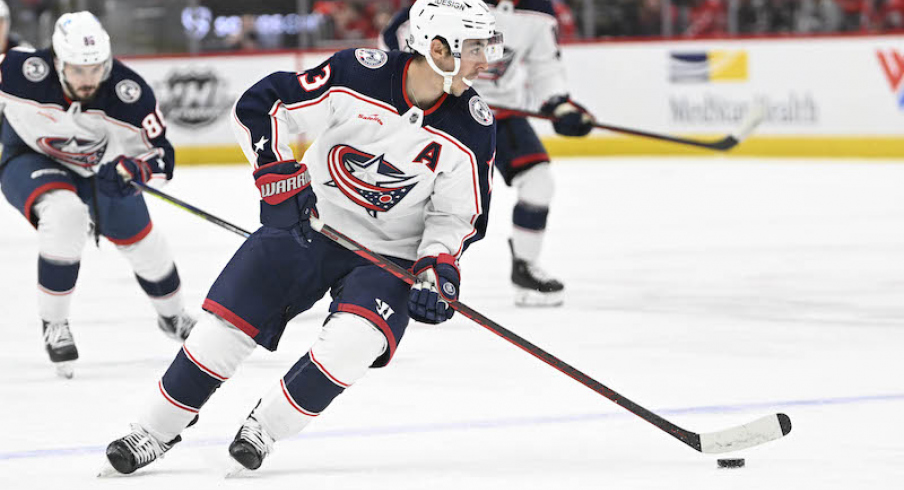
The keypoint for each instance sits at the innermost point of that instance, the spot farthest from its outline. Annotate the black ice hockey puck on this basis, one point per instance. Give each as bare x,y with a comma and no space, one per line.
731,463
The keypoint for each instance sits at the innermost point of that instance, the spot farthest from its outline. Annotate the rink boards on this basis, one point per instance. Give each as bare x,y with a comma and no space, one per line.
823,97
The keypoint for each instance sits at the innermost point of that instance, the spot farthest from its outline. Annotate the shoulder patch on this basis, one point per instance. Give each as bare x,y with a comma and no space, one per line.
371,58
480,111
35,69
128,91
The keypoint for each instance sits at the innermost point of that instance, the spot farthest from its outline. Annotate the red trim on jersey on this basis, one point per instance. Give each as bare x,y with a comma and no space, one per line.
476,187
529,159
432,108
173,400
41,190
136,238
375,319
327,373
282,384
224,313
202,367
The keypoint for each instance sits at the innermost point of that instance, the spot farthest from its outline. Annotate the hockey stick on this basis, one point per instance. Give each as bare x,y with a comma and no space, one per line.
753,119
760,431
191,209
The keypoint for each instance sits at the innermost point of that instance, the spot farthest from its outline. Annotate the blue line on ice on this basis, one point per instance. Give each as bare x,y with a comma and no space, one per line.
485,424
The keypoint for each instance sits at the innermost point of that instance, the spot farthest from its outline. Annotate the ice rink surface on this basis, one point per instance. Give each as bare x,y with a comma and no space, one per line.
710,291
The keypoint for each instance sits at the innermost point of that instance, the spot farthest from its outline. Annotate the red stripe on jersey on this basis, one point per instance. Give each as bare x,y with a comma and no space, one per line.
224,313
41,190
134,239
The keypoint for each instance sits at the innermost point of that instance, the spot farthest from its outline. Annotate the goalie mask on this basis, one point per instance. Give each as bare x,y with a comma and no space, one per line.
79,39
467,26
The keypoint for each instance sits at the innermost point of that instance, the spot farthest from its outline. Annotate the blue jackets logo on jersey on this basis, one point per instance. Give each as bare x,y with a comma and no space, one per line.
367,180
74,151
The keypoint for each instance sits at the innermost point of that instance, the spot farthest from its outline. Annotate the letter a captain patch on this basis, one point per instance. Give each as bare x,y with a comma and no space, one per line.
429,155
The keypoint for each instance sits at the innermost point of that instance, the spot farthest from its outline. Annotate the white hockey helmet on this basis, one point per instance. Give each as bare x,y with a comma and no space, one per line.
80,39
4,10
455,21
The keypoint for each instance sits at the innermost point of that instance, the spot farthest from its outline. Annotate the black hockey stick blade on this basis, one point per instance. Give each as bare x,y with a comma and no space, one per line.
754,117
741,437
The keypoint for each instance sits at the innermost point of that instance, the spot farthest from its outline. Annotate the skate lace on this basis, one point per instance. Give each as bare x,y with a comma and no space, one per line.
143,446
57,335
253,432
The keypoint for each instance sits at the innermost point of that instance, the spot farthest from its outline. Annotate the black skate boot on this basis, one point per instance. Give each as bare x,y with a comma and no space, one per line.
533,286
177,327
136,450
252,444
60,347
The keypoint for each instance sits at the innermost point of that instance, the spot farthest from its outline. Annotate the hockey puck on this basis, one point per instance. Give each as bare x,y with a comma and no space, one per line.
731,463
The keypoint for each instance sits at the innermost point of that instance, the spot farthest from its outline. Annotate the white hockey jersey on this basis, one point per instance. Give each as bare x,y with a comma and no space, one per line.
122,119
404,182
530,72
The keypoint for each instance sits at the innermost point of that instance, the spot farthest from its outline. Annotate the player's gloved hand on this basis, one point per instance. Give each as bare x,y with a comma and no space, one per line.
437,286
571,119
287,199
113,177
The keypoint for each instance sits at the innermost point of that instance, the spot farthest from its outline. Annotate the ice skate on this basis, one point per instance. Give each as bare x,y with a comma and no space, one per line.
533,286
251,445
60,347
136,450
177,327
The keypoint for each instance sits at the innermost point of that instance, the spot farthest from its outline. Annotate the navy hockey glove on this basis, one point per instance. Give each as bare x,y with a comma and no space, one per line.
437,286
571,119
113,177
287,199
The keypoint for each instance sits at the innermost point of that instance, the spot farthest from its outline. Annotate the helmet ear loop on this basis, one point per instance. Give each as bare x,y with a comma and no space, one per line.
447,76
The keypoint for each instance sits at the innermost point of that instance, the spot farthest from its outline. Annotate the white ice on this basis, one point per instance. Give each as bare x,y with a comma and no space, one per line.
711,291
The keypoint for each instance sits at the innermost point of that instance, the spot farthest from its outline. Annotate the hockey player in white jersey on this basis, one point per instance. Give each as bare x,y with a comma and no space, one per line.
78,125
401,162
530,70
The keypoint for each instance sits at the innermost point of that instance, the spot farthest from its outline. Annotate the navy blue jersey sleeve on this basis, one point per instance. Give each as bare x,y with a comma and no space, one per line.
486,160
261,113
133,102
390,34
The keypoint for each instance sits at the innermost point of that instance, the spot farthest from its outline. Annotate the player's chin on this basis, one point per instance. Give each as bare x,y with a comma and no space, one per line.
86,93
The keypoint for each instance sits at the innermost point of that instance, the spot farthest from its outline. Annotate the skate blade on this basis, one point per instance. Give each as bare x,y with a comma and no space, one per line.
236,470
107,470
65,369
531,298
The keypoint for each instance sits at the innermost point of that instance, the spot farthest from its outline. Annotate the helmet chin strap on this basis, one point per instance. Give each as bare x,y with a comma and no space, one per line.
447,76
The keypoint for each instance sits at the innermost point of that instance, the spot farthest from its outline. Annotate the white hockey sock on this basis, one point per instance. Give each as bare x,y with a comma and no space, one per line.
62,233
527,244
53,307
162,419
279,416
152,261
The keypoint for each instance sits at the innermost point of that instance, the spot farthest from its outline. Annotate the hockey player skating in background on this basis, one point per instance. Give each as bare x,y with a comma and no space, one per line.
531,58
78,125
401,160
8,39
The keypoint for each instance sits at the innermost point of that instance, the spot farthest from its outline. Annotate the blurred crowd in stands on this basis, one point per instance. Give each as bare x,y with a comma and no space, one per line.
351,19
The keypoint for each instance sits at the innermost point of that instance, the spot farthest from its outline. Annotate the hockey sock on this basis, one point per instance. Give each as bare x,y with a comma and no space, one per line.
156,272
347,346
56,281
164,293
528,231
209,357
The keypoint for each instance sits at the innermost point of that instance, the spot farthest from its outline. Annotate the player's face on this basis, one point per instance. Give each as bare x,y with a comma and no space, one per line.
473,62
84,80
